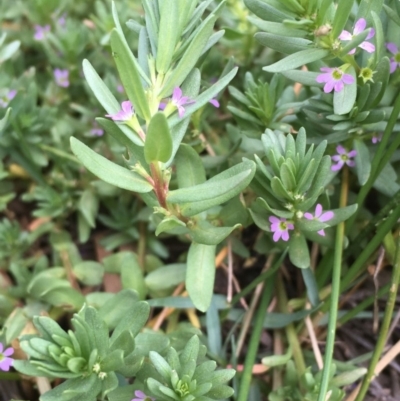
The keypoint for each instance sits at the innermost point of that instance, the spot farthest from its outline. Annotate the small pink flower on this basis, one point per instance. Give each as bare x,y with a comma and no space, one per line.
343,157
125,114
395,60
141,396
280,227
5,361
61,77
334,78
41,32
120,88
5,100
358,28
96,130
376,138
179,101
322,217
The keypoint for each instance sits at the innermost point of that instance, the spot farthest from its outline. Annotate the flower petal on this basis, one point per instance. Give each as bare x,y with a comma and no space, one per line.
350,163
392,48
277,236
339,85
371,34
326,216
177,94
285,236
341,150
393,65
338,166
367,46
352,153
347,79
345,35
8,351
308,216
321,232
329,86
214,102
318,210
324,78
274,220
359,26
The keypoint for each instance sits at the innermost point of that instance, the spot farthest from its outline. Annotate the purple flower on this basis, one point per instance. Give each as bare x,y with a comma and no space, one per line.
41,32
5,100
280,227
376,138
120,88
395,60
5,361
61,77
334,78
96,130
358,28
343,157
62,20
179,101
141,396
214,102
322,217
125,114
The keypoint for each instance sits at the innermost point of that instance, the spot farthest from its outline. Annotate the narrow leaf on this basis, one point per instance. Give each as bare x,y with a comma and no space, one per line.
158,145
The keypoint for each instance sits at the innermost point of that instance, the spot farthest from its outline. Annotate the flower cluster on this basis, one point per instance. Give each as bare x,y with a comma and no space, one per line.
280,226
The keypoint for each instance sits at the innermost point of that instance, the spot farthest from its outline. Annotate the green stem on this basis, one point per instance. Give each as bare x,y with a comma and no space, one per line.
382,156
251,355
337,264
385,325
290,330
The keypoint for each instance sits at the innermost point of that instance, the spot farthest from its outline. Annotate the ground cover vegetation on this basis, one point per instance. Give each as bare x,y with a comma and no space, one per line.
200,200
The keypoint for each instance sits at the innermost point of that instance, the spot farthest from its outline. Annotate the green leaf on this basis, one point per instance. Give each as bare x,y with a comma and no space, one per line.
8,51
367,7
282,44
342,14
277,360
132,277
200,274
189,167
189,58
158,144
108,171
303,77
311,285
129,74
344,100
379,35
166,277
89,205
299,254
172,225
168,34
363,161
205,233
268,13
297,60
161,365
342,214
215,191
277,28
99,88
89,272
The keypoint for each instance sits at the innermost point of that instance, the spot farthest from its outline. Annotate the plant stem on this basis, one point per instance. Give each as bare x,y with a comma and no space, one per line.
382,156
394,285
251,355
290,330
337,263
